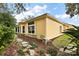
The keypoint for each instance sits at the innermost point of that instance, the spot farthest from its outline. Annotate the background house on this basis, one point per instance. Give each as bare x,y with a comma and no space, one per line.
67,26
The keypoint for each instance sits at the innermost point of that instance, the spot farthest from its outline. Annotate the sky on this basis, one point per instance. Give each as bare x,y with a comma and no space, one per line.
57,10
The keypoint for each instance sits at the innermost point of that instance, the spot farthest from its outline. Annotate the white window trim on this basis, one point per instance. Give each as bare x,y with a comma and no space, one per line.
34,29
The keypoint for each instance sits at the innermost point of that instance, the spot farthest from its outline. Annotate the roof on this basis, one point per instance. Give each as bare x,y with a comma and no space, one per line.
67,24
43,16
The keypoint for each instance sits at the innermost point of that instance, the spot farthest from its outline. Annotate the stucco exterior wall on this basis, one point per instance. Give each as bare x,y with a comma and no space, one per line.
52,29
40,27
26,27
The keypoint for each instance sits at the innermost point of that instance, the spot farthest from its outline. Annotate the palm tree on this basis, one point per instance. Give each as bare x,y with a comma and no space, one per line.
74,33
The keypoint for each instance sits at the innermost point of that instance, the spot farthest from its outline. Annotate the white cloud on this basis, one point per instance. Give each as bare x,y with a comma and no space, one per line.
62,16
39,8
55,8
27,8
66,18
36,10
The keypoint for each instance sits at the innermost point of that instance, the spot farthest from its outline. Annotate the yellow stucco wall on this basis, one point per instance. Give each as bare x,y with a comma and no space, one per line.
40,27
52,29
26,27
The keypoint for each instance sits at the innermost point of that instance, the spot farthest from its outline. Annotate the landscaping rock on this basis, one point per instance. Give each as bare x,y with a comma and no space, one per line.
24,44
61,49
29,46
74,49
32,52
19,40
24,50
68,51
70,46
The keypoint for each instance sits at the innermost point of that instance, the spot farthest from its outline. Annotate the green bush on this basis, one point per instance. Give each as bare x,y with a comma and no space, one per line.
20,52
33,45
41,52
7,33
52,51
1,47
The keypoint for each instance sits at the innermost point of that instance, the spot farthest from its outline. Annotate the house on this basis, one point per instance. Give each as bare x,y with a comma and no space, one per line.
67,26
42,27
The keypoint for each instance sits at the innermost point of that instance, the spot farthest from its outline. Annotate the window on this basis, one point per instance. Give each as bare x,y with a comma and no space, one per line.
60,29
23,29
31,27
18,29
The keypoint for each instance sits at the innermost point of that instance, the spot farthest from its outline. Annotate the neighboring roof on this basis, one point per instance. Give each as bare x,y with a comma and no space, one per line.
42,16
67,24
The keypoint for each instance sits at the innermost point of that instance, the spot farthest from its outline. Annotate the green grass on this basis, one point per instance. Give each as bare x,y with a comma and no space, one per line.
62,41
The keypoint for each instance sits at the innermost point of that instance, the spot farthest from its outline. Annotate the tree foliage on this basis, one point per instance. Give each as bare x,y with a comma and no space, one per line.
6,35
13,7
7,20
7,25
72,9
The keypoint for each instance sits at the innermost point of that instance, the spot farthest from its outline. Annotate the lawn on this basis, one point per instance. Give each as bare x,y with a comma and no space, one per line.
62,41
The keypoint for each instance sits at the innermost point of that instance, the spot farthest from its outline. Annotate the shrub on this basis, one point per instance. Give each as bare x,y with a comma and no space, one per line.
1,47
20,52
33,45
52,51
7,34
41,52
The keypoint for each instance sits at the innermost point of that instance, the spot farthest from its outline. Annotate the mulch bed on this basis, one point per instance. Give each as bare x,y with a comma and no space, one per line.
14,47
31,39
11,50
35,40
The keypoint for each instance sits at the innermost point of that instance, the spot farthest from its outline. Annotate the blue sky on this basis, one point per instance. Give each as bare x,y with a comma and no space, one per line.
55,9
